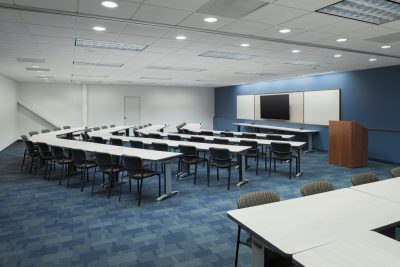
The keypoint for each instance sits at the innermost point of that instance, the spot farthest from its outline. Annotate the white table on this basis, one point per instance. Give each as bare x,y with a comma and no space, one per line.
387,189
152,128
309,133
295,225
259,135
362,249
116,129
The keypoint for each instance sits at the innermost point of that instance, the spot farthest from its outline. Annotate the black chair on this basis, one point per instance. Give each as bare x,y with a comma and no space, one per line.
61,159
96,129
136,133
133,166
105,164
174,137
99,140
116,142
140,127
227,134
136,144
282,152
24,138
154,136
274,137
57,129
221,141
220,158
66,127
160,147
199,139
189,157
112,126
253,152
30,152
208,133
81,162
104,127
249,135
46,158
33,133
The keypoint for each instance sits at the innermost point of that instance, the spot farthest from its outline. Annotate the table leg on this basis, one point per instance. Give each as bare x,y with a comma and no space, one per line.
298,171
242,171
127,132
258,253
238,128
168,183
309,143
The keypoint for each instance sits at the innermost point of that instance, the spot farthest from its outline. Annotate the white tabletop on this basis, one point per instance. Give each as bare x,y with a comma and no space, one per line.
152,128
261,135
361,249
387,189
287,129
114,129
145,153
63,131
299,224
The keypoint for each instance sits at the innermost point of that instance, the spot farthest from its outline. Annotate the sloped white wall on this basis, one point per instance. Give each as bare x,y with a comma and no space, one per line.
8,112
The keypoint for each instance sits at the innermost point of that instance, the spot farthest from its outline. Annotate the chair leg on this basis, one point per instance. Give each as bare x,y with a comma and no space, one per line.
290,169
195,173
30,168
130,185
83,171
229,178
94,178
23,162
208,173
62,174
270,166
140,191
274,165
110,178
217,174
257,166
120,188
237,246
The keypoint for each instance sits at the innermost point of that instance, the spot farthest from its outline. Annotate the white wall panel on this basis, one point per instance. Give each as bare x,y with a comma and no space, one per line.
321,106
245,107
8,112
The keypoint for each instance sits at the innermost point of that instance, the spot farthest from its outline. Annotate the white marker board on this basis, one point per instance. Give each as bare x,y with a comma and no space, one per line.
321,106
245,107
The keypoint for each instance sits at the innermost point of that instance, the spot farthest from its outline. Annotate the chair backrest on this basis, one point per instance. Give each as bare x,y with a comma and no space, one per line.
174,137
29,147
24,138
78,156
33,133
159,146
136,144
84,137
188,151
116,142
227,134
316,188
103,160
364,178
88,130
57,129
154,135
209,133
133,165
257,198
185,131
98,140
112,126
219,154
149,124
44,149
96,128
57,152
253,144
46,131
280,148
395,172
249,135
140,127
136,134
197,139
274,137
221,141
67,127
104,127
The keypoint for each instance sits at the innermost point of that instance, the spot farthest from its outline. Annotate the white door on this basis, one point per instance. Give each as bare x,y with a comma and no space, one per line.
132,110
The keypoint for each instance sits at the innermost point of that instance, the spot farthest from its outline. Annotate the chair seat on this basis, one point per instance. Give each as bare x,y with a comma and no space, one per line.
87,164
193,160
224,164
284,158
146,173
254,154
114,169
64,161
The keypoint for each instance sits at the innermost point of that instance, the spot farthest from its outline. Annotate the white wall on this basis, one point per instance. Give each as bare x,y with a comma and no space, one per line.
65,104
8,112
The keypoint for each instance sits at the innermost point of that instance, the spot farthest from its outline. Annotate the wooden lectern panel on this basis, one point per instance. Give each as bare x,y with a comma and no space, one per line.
348,144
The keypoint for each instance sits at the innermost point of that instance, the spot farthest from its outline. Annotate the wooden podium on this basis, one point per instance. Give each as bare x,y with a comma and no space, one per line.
348,144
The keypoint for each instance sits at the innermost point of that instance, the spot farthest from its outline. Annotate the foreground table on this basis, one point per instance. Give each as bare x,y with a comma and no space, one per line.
387,189
362,249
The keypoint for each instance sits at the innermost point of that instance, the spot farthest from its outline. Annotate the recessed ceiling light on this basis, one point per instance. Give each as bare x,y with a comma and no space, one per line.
109,45
245,45
35,66
296,51
341,40
372,59
210,20
386,46
180,37
99,28
285,30
337,55
109,4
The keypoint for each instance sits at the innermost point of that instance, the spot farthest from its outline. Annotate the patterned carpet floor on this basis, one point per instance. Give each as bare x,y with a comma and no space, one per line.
45,224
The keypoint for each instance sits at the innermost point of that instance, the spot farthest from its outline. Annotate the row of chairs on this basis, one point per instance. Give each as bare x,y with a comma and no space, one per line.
267,197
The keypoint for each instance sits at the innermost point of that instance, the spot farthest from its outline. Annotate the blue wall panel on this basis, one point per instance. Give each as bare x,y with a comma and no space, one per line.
369,97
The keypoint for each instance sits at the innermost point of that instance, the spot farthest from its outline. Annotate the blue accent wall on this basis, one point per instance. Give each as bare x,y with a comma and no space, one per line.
370,97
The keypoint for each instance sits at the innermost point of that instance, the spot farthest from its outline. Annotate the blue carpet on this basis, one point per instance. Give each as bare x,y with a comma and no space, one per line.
44,224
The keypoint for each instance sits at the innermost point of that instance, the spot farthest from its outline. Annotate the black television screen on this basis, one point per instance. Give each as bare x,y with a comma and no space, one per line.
275,107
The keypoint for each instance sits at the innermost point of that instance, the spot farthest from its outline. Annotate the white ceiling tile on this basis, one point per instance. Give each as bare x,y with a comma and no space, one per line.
160,14
13,27
312,21
309,36
191,5
274,14
218,39
371,32
190,35
69,5
48,19
310,5
244,27
125,9
343,26
9,15
51,31
53,40
273,32
93,35
135,39
196,20
6,1
392,25
16,37
171,43
88,24
144,30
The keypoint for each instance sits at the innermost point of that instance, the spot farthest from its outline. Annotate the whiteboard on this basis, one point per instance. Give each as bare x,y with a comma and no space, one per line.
245,107
321,106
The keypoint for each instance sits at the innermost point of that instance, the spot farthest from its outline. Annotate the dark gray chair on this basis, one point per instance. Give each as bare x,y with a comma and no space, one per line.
283,153
136,144
116,142
253,152
33,133
221,159
61,159
83,164
31,152
66,127
190,156
105,164
99,140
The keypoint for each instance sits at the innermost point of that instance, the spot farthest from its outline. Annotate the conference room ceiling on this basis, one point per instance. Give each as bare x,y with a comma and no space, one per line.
44,41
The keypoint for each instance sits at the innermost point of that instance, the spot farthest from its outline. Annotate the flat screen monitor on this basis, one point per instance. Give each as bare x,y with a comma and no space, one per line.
275,107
